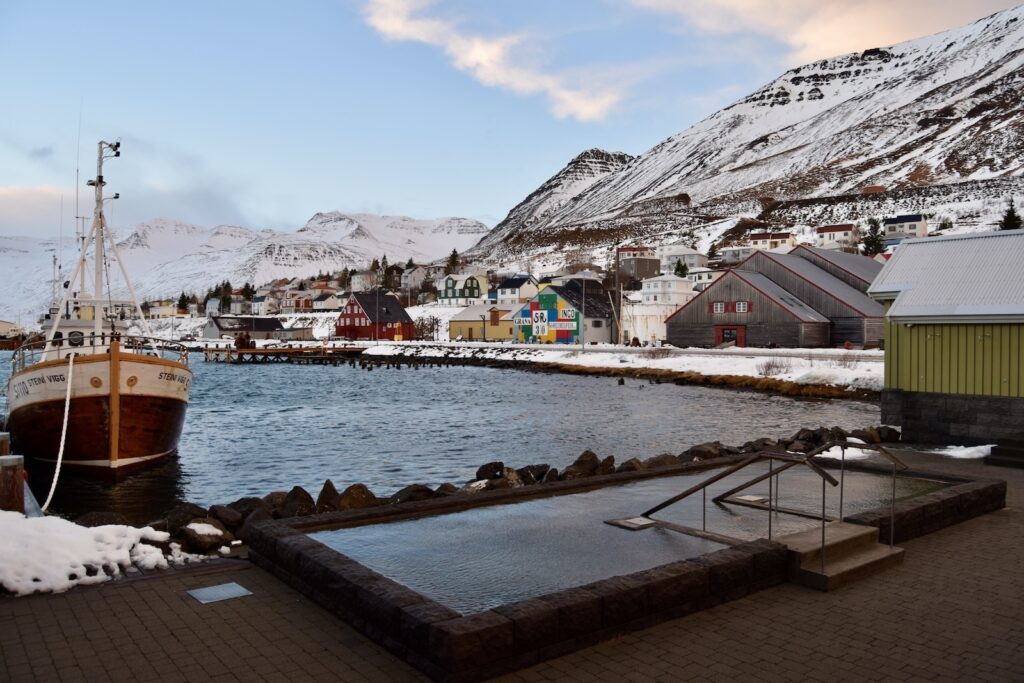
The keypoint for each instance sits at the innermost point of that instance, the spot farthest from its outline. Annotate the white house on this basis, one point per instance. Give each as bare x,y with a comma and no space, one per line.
212,307
517,289
904,227
671,254
163,308
462,290
735,254
667,289
327,301
412,278
772,240
845,236
702,277
660,297
363,281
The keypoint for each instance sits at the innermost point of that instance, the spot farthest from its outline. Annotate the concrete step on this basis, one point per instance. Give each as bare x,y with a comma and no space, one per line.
1002,460
841,539
1012,442
843,570
1008,451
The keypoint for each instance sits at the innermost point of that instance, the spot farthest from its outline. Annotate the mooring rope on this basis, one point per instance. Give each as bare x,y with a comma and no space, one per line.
63,432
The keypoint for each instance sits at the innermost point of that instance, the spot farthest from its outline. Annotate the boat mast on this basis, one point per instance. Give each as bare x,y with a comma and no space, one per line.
99,225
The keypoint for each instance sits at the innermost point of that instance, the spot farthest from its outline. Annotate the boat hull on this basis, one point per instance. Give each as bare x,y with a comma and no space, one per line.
126,412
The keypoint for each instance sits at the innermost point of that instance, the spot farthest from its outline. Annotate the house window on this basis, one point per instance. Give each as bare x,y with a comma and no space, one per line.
719,307
742,307
597,323
655,297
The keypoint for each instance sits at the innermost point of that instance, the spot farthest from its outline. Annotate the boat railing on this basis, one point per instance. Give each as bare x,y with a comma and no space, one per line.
93,345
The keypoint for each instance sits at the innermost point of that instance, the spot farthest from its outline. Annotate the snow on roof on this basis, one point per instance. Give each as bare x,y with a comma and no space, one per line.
666,278
471,313
974,277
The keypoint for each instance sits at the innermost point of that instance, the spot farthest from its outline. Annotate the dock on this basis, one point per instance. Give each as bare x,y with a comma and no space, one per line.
298,356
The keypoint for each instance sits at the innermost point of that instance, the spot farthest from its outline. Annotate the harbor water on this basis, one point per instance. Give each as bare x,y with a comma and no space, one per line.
251,430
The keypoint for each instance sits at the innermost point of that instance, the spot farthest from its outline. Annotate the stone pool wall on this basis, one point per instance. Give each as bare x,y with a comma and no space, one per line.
448,646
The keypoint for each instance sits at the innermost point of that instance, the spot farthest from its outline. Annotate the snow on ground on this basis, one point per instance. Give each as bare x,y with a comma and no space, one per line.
443,314
965,451
50,554
858,370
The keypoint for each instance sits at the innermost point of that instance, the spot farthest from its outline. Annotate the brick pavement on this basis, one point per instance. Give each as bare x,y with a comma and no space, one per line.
951,611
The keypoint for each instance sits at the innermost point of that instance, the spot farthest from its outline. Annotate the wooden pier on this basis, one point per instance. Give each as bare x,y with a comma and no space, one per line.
299,356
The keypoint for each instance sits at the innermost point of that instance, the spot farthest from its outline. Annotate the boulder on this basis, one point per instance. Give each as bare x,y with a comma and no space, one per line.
328,498
888,434
762,444
607,466
297,503
799,446
550,476
357,497
538,470
807,435
475,486
584,466
631,465
662,460
255,517
412,493
705,451
526,476
92,519
446,489
838,433
491,470
181,515
509,480
246,506
275,499
231,519
203,535
869,435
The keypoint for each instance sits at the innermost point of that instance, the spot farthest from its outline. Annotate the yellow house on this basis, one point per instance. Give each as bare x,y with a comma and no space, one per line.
484,322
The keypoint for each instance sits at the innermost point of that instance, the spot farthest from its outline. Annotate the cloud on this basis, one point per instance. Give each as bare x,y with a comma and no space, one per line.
33,210
493,61
41,152
824,28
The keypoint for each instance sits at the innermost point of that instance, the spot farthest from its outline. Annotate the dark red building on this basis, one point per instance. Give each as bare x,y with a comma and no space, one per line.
374,315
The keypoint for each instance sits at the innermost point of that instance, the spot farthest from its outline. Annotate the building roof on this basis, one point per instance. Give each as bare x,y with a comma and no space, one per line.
387,310
473,313
770,235
665,278
959,278
324,297
678,249
827,282
908,218
777,294
232,324
845,227
514,282
598,305
861,267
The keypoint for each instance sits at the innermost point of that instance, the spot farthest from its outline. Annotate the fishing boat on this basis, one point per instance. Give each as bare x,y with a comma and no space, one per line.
89,397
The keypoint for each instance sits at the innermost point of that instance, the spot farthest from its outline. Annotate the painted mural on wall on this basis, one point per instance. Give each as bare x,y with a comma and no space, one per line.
548,319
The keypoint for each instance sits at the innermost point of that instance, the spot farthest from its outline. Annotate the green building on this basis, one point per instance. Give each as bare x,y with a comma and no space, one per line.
954,337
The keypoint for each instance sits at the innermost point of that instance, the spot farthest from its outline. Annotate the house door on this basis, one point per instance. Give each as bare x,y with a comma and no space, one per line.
469,332
731,333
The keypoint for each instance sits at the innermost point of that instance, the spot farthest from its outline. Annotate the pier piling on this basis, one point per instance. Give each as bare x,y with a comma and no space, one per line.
12,483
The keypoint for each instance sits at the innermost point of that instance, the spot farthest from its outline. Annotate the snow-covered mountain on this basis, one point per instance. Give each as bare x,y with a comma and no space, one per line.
941,109
165,257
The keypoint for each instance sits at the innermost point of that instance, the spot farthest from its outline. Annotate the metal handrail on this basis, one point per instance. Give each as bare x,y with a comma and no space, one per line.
33,352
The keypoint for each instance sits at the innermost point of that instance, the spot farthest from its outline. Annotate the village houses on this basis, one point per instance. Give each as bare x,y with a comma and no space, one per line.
845,237
517,289
671,254
374,315
462,290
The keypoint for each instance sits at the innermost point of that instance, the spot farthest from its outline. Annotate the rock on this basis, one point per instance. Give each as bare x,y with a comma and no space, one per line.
297,503
509,480
763,444
203,535
869,435
411,494
475,486
706,451
550,476
584,466
888,434
357,497
446,489
526,476
246,506
92,519
231,519
806,435
275,499
328,498
799,446
606,466
491,470
838,434
631,465
663,460
157,525
255,517
181,515
539,470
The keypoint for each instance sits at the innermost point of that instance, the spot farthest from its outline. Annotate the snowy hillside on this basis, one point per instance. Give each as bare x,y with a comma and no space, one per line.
935,110
165,257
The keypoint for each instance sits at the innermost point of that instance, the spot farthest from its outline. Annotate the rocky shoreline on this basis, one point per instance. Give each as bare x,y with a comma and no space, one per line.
196,532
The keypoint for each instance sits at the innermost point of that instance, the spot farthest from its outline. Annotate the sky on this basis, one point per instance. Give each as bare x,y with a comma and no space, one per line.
263,113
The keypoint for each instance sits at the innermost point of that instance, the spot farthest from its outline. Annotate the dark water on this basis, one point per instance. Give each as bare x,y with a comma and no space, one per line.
255,429
482,558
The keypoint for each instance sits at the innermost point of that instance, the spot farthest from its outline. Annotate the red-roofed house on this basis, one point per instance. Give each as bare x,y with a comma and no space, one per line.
845,236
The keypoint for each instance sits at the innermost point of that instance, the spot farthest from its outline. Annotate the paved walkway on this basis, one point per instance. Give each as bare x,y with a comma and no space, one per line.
953,611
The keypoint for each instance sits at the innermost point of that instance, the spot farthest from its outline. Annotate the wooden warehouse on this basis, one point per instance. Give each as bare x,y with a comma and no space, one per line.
806,298
954,337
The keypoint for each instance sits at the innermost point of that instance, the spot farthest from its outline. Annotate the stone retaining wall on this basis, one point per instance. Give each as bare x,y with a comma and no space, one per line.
958,419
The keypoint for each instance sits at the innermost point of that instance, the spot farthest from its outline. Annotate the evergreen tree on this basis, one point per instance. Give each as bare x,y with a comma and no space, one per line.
248,291
409,265
302,285
183,302
873,242
713,250
452,264
1011,219
681,269
945,224
375,265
